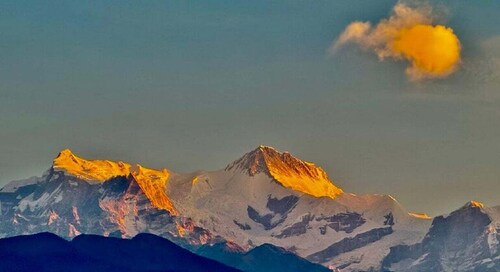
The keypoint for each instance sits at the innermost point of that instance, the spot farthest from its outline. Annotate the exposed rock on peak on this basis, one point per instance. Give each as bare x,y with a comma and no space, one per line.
254,161
474,204
65,153
289,171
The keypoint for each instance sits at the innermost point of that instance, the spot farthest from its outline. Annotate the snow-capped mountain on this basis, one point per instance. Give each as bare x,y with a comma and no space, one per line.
465,240
264,197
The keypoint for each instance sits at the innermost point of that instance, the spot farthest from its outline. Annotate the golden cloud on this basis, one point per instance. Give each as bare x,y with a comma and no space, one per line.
433,51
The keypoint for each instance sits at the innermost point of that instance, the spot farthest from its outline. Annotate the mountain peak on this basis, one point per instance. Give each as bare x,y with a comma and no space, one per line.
258,160
65,153
152,182
289,171
474,204
97,170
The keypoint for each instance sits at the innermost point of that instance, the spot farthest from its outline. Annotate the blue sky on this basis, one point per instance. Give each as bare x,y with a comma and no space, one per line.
193,85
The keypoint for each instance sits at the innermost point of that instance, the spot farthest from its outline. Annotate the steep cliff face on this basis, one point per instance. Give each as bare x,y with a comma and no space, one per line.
465,240
154,183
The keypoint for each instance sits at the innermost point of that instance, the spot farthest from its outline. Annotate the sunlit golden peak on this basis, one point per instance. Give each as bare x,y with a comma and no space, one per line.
140,170
96,170
152,182
289,171
65,153
266,147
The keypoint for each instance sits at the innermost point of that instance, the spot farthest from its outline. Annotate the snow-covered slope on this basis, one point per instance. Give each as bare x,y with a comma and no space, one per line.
266,196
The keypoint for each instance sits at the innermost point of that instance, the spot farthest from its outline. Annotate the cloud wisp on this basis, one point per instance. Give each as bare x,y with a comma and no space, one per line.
432,50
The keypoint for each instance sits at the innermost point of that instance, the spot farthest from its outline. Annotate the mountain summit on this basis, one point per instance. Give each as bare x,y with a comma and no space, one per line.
152,182
289,171
97,170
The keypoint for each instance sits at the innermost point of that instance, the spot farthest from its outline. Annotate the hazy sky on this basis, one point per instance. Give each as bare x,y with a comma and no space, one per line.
193,85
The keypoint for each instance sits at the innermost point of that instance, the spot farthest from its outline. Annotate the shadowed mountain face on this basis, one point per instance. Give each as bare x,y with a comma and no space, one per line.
263,258
145,252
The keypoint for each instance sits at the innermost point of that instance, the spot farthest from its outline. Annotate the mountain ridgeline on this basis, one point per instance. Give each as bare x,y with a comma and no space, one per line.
144,252
266,203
